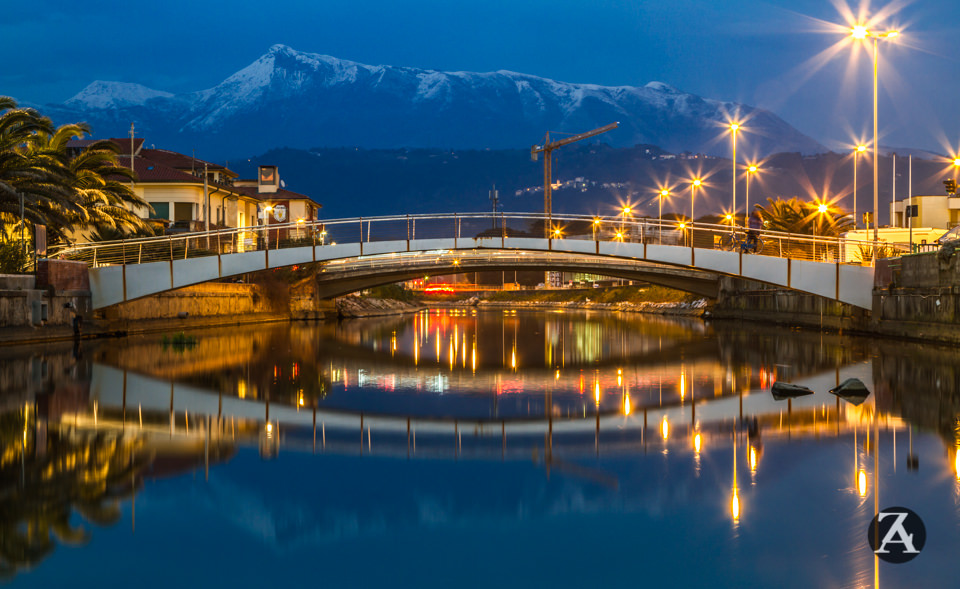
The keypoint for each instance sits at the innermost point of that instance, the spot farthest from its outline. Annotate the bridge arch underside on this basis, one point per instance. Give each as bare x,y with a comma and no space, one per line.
361,265
355,275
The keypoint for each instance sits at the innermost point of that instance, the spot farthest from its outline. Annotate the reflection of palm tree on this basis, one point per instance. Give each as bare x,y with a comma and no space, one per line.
83,472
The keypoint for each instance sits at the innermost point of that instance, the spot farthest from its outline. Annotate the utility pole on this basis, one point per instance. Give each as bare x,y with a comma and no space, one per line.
494,198
132,169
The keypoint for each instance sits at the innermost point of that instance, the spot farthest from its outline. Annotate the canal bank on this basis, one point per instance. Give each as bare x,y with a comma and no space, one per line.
915,297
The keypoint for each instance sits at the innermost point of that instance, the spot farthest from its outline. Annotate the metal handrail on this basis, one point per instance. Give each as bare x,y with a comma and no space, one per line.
464,228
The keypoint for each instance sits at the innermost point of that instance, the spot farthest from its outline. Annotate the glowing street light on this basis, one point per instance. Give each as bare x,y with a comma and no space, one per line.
734,127
751,169
694,184
663,194
596,225
856,154
860,32
623,218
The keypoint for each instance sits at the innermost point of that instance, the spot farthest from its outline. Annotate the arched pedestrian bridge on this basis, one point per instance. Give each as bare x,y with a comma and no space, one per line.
362,252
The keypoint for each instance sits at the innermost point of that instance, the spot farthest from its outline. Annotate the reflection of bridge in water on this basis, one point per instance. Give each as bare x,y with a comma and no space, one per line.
131,401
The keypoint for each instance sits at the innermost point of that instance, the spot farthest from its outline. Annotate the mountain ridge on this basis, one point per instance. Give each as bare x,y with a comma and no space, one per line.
288,98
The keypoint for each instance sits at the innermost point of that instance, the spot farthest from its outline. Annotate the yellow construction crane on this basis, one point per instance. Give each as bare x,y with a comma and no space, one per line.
547,150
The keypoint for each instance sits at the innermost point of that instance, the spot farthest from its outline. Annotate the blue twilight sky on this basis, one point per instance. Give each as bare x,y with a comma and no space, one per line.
760,53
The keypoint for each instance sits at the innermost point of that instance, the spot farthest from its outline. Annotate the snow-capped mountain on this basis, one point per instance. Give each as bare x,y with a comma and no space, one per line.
294,99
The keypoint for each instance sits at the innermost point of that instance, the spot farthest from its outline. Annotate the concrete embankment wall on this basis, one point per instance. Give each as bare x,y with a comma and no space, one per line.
201,300
914,297
752,301
918,297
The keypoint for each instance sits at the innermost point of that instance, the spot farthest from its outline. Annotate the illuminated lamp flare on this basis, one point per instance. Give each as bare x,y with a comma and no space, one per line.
822,208
859,32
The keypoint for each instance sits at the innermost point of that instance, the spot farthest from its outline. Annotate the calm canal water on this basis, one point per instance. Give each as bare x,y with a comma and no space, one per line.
475,448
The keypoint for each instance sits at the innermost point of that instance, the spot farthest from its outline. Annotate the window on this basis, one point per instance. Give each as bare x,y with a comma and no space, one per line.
182,211
161,210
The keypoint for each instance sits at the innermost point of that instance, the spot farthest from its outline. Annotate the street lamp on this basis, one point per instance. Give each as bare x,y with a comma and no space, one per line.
596,225
856,154
693,195
663,194
752,169
734,127
623,219
860,32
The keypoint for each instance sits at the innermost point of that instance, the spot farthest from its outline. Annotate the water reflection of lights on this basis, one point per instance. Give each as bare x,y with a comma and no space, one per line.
696,443
626,404
753,460
596,393
735,505
862,483
665,428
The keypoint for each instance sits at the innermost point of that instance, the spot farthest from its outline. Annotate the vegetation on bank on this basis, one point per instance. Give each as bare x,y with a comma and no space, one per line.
64,189
609,295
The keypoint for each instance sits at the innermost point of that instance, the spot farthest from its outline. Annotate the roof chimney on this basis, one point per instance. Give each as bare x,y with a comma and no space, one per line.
268,179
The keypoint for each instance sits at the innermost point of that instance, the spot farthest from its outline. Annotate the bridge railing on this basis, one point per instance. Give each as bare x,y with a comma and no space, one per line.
465,228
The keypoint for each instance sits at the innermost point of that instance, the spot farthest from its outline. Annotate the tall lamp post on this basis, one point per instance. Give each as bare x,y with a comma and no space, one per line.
623,222
734,127
856,155
663,194
693,197
752,169
861,32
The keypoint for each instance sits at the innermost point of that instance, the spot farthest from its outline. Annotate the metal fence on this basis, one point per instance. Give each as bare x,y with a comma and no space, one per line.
465,228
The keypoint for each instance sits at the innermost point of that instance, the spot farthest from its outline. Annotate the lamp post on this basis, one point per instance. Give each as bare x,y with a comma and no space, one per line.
856,154
861,32
821,209
693,196
596,225
752,169
734,127
663,194
623,219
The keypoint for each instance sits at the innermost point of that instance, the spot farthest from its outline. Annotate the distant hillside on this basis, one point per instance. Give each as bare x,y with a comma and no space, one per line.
293,99
354,182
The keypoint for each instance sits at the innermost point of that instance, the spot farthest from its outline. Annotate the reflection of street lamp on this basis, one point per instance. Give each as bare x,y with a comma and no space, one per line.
860,32
663,194
856,154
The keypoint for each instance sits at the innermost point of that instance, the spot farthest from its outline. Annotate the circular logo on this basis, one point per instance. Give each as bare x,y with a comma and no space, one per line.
896,535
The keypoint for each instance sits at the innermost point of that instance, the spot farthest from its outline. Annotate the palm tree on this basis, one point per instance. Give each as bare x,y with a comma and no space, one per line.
797,216
26,175
99,184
